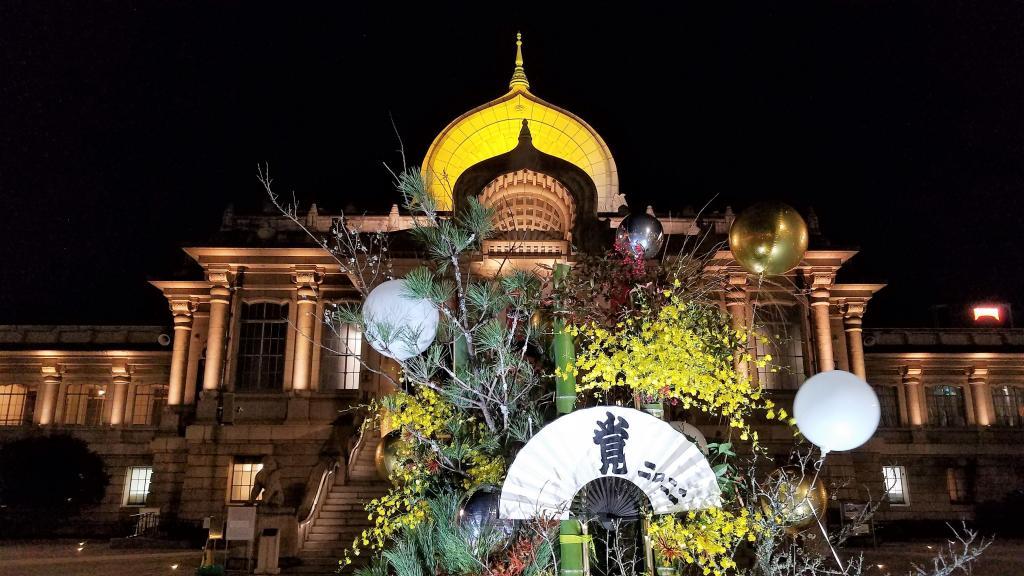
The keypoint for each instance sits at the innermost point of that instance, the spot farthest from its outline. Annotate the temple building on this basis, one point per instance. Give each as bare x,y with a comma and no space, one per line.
246,375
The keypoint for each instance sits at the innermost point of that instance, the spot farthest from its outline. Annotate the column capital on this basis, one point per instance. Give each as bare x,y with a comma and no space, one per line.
307,280
52,373
976,374
736,289
307,275
821,287
220,277
911,374
121,373
182,310
853,309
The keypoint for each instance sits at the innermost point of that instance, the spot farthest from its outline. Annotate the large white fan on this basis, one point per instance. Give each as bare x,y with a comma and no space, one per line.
607,441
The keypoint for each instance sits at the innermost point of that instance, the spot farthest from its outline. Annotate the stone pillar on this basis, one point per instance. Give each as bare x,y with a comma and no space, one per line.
305,326
981,393
47,411
736,300
820,324
220,304
914,393
182,311
119,399
853,316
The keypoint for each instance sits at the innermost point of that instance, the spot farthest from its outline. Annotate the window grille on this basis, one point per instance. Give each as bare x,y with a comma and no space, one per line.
83,405
13,399
1009,405
243,476
339,359
783,340
261,347
149,402
946,406
888,401
896,489
136,485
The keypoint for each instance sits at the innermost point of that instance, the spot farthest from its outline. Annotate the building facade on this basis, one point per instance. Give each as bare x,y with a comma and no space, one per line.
184,417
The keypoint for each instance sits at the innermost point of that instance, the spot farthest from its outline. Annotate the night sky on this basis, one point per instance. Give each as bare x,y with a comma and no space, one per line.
125,129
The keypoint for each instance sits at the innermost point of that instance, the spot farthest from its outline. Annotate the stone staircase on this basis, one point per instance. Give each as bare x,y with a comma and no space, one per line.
342,517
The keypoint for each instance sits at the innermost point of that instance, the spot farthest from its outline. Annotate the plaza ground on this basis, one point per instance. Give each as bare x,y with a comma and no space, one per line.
62,558
1003,558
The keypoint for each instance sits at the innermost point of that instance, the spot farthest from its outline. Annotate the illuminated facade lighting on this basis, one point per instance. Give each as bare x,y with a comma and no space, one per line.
987,313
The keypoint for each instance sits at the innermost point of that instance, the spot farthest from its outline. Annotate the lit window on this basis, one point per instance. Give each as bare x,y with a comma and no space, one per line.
946,406
12,405
243,475
958,484
149,402
261,347
895,478
136,485
83,405
1008,402
339,360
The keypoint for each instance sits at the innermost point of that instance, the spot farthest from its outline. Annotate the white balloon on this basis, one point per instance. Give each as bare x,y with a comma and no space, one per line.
397,325
836,410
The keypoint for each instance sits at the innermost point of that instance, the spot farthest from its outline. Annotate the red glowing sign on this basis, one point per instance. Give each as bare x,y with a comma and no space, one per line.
987,313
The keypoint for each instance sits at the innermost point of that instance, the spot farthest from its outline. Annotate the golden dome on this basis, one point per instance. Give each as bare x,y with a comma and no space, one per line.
492,129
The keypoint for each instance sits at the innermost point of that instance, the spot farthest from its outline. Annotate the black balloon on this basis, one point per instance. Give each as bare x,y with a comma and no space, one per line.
642,229
478,516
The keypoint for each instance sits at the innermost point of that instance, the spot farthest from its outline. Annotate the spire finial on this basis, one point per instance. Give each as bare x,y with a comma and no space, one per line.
519,81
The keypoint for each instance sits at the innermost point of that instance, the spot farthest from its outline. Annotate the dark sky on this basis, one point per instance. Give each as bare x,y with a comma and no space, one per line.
125,129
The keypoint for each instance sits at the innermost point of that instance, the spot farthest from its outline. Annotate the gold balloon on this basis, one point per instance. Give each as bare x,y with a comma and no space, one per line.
386,458
768,238
799,503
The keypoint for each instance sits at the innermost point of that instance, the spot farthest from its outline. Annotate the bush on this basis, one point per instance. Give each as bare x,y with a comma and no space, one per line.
46,479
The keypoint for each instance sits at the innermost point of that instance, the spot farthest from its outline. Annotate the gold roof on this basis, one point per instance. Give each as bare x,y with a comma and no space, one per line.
492,129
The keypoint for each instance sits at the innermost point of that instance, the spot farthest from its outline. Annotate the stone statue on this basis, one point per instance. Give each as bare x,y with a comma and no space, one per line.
268,482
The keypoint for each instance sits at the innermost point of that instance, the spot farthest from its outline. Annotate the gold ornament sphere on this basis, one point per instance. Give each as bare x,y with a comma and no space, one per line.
387,456
799,502
768,238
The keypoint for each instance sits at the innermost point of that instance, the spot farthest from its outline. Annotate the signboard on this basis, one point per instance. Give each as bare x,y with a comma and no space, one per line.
607,441
241,523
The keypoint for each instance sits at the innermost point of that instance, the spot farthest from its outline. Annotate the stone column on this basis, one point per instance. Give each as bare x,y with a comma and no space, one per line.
47,412
977,379
914,393
220,304
821,286
305,326
736,300
119,399
182,311
853,316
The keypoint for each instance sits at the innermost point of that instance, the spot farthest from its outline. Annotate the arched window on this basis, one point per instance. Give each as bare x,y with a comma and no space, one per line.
263,335
1009,405
13,399
946,406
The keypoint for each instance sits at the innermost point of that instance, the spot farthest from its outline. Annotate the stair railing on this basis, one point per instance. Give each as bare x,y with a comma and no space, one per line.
309,512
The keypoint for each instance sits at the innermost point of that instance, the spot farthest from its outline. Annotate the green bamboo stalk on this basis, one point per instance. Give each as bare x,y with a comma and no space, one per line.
569,532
